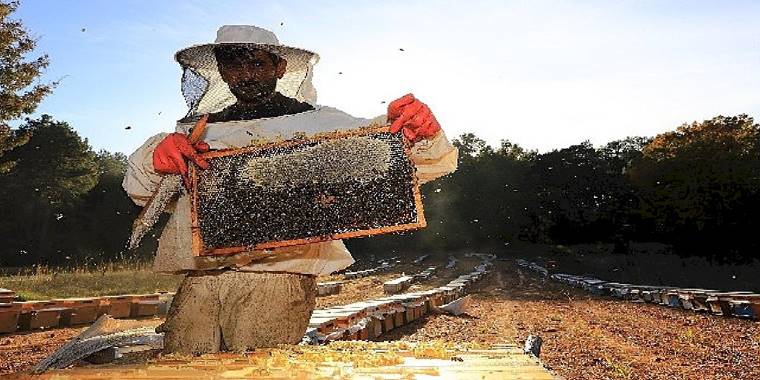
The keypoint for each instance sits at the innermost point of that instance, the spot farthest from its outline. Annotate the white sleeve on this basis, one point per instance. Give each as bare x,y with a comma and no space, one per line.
434,157
141,180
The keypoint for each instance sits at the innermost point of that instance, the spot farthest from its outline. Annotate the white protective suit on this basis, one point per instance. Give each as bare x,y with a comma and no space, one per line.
433,158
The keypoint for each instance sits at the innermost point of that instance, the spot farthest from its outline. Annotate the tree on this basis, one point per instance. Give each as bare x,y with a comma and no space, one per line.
53,170
105,214
19,95
469,145
620,154
699,184
580,195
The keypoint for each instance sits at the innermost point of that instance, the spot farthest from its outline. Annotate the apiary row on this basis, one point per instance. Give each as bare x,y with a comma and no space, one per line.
33,315
740,304
369,319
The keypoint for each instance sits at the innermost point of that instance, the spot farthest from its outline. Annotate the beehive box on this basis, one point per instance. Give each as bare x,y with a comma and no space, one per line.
328,288
397,285
103,306
323,324
82,310
41,314
9,313
6,295
117,306
144,305
719,305
699,302
398,318
334,186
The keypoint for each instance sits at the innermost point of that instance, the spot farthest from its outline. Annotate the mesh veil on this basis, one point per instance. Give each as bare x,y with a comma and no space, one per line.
205,92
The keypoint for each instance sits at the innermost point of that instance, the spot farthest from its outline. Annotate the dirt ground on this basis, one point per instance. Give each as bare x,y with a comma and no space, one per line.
584,337
587,337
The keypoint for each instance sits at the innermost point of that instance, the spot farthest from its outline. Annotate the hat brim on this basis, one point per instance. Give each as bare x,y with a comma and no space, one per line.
190,56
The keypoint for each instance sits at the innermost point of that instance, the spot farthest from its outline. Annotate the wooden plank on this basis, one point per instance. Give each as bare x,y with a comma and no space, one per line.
503,362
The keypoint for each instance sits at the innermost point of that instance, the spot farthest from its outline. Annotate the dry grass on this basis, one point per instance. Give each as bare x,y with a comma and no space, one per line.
109,279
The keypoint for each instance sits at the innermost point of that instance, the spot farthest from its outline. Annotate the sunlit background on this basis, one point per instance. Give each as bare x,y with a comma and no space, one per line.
541,74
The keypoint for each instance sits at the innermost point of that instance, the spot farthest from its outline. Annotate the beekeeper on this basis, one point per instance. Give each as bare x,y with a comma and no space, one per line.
254,90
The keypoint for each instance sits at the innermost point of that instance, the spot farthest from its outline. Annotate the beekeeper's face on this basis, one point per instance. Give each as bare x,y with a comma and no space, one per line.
251,74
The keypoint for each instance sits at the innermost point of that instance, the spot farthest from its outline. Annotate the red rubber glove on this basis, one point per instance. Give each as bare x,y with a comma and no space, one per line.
413,117
171,153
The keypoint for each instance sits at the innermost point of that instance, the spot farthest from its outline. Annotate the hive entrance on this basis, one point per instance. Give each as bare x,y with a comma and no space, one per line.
341,185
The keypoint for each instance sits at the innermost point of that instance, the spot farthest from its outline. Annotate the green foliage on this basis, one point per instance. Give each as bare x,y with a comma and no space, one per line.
53,170
106,204
582,195
19,94
699,184
63,204
56,164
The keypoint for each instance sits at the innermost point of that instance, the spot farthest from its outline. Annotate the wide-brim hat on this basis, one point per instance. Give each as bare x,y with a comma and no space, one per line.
201,61
243,35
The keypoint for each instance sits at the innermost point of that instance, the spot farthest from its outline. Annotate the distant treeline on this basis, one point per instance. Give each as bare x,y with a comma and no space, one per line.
62,203
695,188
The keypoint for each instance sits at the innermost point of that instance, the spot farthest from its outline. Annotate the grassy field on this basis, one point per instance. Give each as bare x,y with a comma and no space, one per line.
46,283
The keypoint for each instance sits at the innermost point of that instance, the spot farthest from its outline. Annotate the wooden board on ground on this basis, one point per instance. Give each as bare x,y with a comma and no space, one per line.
367,361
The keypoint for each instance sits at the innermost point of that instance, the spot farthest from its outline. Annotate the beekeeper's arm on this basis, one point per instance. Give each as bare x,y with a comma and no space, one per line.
164,153
432,154
141,179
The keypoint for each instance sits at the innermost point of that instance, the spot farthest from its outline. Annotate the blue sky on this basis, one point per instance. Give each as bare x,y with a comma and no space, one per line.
542,74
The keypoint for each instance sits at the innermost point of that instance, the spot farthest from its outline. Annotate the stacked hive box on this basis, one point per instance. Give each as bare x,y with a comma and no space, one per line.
33,315
738,304
397,285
